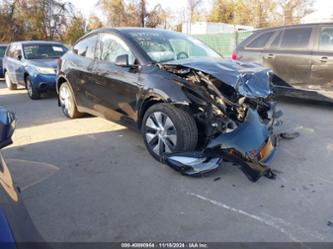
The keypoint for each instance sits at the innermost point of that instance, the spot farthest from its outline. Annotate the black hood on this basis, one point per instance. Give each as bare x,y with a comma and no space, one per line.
50,63
249,79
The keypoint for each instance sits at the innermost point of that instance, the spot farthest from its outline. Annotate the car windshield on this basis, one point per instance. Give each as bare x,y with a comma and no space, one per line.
164,46
2,51
43,51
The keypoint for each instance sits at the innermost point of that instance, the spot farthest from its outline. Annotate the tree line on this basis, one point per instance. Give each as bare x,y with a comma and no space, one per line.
59,20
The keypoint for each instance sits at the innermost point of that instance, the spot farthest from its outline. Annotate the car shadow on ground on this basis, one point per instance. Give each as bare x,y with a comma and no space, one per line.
101,186
305,102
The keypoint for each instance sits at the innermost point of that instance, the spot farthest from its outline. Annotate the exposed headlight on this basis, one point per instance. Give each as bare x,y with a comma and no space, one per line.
45,70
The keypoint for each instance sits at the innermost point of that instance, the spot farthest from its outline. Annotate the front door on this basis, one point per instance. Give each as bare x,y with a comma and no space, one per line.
116,86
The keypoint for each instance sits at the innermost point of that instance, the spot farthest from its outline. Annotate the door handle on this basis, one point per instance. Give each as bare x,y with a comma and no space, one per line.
324,59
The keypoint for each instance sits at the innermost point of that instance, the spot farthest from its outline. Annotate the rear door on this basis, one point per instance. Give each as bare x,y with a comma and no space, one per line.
290,55
81,74
322,60
271,48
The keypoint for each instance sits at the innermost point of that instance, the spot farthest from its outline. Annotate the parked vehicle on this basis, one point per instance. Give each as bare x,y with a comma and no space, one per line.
32,64
181,94
3,48
15,222
301,57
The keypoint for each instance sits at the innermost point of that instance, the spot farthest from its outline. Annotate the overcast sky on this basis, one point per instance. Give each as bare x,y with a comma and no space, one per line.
324,7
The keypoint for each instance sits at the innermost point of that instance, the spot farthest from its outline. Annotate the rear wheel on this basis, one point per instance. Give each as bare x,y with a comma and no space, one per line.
167,129
9,83
67,101
33,93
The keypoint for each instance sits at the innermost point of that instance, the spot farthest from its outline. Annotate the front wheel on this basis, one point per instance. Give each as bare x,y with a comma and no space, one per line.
9,83
167,129
67,101
33,93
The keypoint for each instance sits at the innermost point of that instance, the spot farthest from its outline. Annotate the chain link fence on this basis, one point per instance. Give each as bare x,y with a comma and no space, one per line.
224,43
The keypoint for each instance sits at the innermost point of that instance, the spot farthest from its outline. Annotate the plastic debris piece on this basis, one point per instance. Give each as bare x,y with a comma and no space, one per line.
289,136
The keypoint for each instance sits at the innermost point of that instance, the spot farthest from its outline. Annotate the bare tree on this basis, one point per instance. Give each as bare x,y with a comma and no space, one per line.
157,16
143,12
114,11
94,23
295,10
192,6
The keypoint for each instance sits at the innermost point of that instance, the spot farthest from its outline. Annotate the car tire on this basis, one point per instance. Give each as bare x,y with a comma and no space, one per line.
33,93
168,129
67,101
9,83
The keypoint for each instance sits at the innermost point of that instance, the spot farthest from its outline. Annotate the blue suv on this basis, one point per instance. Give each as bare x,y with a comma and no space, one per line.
32,64
3,48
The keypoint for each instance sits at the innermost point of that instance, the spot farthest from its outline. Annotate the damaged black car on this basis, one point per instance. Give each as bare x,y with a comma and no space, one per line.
196,110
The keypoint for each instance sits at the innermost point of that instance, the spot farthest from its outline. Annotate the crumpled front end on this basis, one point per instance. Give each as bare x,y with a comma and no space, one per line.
251,146
235,118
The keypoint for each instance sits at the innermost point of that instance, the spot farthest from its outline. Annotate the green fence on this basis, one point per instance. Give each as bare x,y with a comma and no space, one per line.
224,43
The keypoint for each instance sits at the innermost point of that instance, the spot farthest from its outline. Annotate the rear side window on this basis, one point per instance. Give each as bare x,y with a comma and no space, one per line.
296,38
86,47
276,42
326,39
260,41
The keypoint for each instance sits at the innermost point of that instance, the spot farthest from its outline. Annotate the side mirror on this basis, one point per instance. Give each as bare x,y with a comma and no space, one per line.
19,57
7,127
122,60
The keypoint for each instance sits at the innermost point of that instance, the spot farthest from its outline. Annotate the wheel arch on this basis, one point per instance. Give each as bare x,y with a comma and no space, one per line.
154,99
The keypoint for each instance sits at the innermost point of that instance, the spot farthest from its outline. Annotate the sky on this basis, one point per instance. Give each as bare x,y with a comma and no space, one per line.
324,8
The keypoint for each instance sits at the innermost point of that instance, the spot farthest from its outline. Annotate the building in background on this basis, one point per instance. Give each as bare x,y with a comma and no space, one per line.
319,16
200,28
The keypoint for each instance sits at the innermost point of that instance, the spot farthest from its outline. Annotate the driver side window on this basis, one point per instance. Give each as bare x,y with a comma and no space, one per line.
109,47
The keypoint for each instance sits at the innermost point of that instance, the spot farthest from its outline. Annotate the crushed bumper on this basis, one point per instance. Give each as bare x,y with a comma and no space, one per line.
251,146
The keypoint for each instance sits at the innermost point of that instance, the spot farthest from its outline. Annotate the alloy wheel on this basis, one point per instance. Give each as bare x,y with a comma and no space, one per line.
160,133
66,99
29,87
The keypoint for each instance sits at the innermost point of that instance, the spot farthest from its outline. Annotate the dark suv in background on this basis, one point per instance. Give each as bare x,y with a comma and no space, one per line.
301,57
3,48
32,64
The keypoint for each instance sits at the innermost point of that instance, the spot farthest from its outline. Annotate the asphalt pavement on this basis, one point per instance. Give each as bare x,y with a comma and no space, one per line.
92,180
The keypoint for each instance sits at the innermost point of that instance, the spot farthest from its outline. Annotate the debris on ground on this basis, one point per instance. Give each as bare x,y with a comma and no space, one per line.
289,135
217,179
